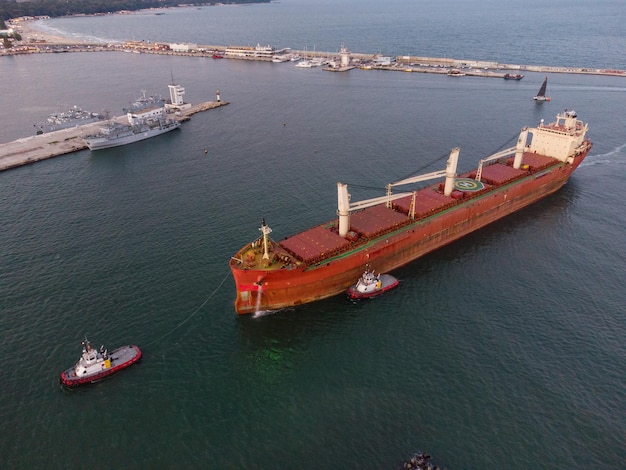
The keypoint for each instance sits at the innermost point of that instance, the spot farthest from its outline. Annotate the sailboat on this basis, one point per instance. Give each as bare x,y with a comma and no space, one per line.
306,63
541,95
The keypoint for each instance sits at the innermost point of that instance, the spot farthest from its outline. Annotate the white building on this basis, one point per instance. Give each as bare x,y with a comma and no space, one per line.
383,60
248,52
183,47
176,102
344,55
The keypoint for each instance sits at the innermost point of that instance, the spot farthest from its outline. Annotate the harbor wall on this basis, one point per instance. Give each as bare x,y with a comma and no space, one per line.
39,147
430,64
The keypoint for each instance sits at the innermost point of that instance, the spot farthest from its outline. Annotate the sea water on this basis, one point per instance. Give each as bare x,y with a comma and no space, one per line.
502,350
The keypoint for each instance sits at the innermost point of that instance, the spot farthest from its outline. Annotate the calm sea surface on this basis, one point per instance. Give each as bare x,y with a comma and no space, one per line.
504,350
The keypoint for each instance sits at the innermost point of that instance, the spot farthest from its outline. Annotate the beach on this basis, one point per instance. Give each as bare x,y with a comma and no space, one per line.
34,36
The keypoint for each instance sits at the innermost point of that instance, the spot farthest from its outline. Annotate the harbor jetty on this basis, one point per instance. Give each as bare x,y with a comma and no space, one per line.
47,145
363,61
343,60
39,147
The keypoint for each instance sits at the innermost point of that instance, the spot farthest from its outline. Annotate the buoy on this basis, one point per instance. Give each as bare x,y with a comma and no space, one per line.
206,151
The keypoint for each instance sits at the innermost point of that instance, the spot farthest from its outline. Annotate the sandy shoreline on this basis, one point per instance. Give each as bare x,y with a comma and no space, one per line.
32,35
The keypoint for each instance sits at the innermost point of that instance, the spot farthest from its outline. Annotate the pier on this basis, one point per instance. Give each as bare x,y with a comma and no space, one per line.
363,61
52,144
39,147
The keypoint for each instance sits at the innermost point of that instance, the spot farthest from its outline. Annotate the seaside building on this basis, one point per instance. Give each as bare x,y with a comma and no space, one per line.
383,61
186,47
176,102
257,52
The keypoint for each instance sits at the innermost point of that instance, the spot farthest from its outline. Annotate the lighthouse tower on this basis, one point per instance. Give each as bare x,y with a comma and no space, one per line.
345,57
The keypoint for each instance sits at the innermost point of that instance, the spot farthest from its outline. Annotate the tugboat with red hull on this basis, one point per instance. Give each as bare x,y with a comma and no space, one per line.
395,229
95,365
371,284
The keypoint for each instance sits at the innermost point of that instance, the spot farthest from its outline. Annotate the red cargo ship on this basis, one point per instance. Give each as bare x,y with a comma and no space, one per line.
392,230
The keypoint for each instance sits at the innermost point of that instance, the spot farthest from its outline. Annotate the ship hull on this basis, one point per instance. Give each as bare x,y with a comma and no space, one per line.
259,290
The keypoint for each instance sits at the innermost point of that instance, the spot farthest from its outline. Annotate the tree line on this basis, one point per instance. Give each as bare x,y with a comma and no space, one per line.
55,8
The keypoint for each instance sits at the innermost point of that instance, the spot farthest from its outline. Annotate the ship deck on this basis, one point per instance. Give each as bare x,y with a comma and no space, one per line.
314,243
323,241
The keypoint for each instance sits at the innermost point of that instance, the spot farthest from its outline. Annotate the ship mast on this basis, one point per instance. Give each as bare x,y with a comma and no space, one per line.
495,156
517,160
449,173
344,207
519,149
265,230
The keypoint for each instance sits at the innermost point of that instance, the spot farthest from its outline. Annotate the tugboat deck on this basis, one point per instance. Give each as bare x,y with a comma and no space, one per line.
122,355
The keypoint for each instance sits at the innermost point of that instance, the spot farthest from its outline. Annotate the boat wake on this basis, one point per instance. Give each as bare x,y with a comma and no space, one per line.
263,313
41,25
604,158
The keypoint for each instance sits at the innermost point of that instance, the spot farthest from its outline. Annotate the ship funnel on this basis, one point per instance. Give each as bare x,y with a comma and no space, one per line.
519,149
343,209
451,171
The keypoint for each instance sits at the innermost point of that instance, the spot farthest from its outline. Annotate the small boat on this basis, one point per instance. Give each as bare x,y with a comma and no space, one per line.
510,76
371,284
304,64
541,95
95,365
455,73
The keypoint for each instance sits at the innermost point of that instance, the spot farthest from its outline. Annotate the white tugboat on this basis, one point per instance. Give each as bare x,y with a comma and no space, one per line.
371,284
95,365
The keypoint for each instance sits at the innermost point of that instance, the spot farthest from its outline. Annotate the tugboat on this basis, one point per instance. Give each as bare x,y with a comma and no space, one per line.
371,284
95,365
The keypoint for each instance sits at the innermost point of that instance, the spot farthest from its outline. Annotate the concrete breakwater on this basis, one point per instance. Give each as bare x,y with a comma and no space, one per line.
438,65
53,144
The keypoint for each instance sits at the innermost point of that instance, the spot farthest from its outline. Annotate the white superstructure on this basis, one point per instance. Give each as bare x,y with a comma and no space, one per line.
177,101
148,114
